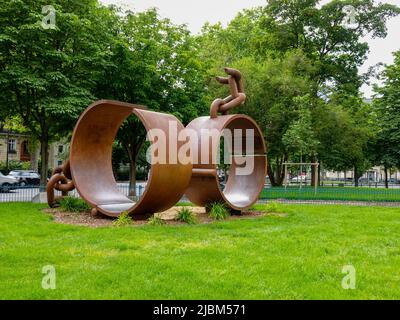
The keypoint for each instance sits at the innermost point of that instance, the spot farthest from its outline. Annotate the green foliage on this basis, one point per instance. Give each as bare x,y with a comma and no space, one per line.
218,211
299,137
123,220
291,51
14,165
73,204
272,207
156,221
387,107
48,75
186,215
152,62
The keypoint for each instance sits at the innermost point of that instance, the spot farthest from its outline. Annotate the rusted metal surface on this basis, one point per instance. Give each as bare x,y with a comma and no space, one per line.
90,166
61,180
91,162
237,96
241,191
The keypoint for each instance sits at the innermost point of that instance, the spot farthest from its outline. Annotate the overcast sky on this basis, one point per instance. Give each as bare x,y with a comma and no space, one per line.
195,13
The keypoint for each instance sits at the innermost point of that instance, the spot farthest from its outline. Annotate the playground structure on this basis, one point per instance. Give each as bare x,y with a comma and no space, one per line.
89,168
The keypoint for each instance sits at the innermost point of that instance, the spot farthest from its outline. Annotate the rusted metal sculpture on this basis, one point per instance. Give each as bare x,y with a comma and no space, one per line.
89,168
61,180
91,165
236,98
241,191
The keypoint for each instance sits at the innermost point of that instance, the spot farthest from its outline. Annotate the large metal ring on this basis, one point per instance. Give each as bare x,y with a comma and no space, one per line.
241,191
91,161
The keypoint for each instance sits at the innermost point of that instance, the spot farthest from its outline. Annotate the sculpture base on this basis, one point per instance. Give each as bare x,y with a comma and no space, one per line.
40,198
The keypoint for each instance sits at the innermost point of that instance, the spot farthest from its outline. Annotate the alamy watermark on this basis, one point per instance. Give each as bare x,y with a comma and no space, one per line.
350,19
49,19
49,277
203,147
350,278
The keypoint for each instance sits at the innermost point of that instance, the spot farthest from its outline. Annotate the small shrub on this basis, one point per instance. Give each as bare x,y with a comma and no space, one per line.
156,221
272,207
218,211
186,215
72,204
123,220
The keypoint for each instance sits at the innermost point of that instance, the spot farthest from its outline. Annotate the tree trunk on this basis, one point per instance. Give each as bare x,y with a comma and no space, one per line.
319,173
277,176
386,178
44,156
132,170
271,175
34,153
356,176
132,178
7,152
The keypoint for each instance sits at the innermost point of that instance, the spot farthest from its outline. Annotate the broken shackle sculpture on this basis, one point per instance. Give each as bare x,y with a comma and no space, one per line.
89,168
241,190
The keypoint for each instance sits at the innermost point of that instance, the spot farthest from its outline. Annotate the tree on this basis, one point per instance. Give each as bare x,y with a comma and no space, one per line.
387,106
272,88
293,48
47,73
345,136
299,138
153,63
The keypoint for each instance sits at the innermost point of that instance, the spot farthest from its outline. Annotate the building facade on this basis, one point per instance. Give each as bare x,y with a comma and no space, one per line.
16,147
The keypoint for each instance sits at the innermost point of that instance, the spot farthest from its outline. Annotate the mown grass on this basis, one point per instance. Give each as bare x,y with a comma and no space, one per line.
295,255
332,193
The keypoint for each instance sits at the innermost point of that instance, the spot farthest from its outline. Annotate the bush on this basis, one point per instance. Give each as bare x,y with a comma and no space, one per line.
123,220
218,211
14,165
186,215
272,207
156,221
72,204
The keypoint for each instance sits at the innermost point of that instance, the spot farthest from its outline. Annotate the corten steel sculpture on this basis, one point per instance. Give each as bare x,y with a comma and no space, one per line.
61,180
241,191
91,162
89,168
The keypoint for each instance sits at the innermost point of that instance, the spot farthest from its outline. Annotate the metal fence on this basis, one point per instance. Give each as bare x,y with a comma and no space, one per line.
332,194
27,193
305,194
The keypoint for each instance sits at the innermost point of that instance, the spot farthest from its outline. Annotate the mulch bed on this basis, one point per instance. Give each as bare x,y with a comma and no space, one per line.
87,220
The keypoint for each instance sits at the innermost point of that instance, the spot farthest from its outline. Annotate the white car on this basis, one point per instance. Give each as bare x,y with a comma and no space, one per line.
7,183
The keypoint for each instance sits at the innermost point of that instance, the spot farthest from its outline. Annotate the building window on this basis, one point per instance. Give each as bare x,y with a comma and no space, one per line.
60,149
12,146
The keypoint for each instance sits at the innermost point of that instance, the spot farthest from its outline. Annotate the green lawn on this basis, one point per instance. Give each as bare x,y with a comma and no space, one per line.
298,256
333,193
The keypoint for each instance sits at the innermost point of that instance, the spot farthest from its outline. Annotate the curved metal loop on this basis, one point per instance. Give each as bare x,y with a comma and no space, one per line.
61,180
237,96
52,185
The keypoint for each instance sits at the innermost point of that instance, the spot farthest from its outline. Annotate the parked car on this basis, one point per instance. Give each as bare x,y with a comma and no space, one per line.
25,177
300,178
394,181
7,183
